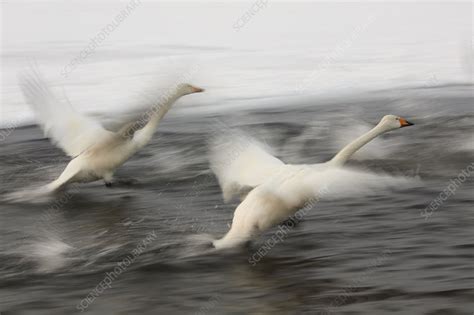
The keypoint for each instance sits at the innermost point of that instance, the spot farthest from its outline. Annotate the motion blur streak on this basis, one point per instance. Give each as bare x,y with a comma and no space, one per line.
364,250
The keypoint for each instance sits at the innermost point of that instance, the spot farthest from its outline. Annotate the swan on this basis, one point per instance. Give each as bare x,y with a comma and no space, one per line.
272,190
96,152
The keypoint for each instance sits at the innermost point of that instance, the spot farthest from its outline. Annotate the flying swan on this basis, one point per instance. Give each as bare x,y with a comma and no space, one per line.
96,152
272,190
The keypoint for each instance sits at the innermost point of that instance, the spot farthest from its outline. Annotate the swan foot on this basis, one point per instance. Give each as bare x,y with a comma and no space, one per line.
108,178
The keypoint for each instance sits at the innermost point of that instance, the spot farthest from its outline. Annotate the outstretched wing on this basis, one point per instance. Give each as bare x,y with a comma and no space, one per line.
67,129
240,163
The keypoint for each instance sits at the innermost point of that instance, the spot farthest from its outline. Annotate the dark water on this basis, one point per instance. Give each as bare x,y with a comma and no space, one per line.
368,254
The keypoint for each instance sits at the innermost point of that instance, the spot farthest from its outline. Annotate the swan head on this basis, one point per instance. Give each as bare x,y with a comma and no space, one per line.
185,89
392,122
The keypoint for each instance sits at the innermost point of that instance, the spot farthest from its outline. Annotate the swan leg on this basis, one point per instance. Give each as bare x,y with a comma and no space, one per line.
290,222
108,178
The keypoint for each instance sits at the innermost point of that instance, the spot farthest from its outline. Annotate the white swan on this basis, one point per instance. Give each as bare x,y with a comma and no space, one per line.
277,190
96,152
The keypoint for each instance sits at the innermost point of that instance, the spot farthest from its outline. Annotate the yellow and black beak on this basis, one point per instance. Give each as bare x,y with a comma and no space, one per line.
405,123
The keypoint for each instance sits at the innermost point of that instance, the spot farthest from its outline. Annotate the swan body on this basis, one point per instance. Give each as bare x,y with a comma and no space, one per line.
278,189
96,152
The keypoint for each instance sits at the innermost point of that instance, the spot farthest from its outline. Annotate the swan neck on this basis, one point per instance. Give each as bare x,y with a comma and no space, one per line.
341,158
155,114
158,112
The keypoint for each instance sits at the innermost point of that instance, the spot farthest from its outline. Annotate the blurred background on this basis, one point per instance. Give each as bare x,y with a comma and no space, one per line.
305,78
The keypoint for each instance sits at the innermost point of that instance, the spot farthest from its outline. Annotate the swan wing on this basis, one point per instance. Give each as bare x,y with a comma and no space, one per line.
67,129
241,163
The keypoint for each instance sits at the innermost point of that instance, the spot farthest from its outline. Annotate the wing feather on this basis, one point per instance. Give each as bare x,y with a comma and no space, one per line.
71,131
240,163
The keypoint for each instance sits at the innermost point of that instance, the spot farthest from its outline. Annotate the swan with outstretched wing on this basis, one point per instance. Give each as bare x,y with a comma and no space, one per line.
273,191
96,152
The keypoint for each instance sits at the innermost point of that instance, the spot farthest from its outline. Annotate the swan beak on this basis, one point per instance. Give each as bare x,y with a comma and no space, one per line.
405,123
197,89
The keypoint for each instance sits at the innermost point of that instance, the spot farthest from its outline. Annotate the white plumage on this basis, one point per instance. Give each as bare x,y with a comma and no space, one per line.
68,129
96,152
277,190
241,163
